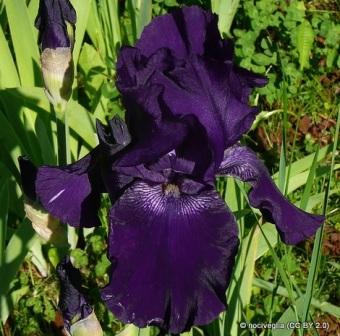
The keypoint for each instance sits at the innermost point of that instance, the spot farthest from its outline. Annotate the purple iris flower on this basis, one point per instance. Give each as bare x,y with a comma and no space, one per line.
172,240
55,21
187,102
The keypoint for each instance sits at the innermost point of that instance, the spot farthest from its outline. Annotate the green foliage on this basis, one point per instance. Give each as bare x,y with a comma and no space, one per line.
80,258
286,39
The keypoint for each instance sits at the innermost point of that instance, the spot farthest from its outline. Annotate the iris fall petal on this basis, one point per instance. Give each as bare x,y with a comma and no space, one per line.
172,259
294,225
72,193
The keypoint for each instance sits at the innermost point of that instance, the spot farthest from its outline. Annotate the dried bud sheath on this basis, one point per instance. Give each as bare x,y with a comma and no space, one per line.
45,225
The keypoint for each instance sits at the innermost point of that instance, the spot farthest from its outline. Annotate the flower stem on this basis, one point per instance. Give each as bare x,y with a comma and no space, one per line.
63,136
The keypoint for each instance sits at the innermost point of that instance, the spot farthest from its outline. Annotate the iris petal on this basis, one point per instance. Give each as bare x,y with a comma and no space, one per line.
113,137
294,225
172,257
28,176
52,23
154,132
72,193
182,57
184,31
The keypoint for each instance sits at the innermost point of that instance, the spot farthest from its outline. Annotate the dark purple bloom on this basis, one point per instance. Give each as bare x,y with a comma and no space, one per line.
166,221
55,21
72,302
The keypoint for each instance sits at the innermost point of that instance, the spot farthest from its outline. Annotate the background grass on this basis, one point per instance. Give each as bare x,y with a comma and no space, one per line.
296,44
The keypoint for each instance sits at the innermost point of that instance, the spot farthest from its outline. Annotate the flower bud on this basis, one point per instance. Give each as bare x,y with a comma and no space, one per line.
45,225
56,23
79,317
58,74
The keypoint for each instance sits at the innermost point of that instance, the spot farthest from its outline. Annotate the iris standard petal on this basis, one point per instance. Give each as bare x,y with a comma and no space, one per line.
294,225
172,256
72,193
189,30
154,133
216,93
209,96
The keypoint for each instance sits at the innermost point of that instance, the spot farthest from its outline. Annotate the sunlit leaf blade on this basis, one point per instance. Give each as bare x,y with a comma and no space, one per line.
8,72
140,12
95,30
83,11
226,10
314,267
82,122
309,183
24,42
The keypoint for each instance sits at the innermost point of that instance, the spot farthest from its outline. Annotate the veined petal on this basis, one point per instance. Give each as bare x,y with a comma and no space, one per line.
294,225
172,256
